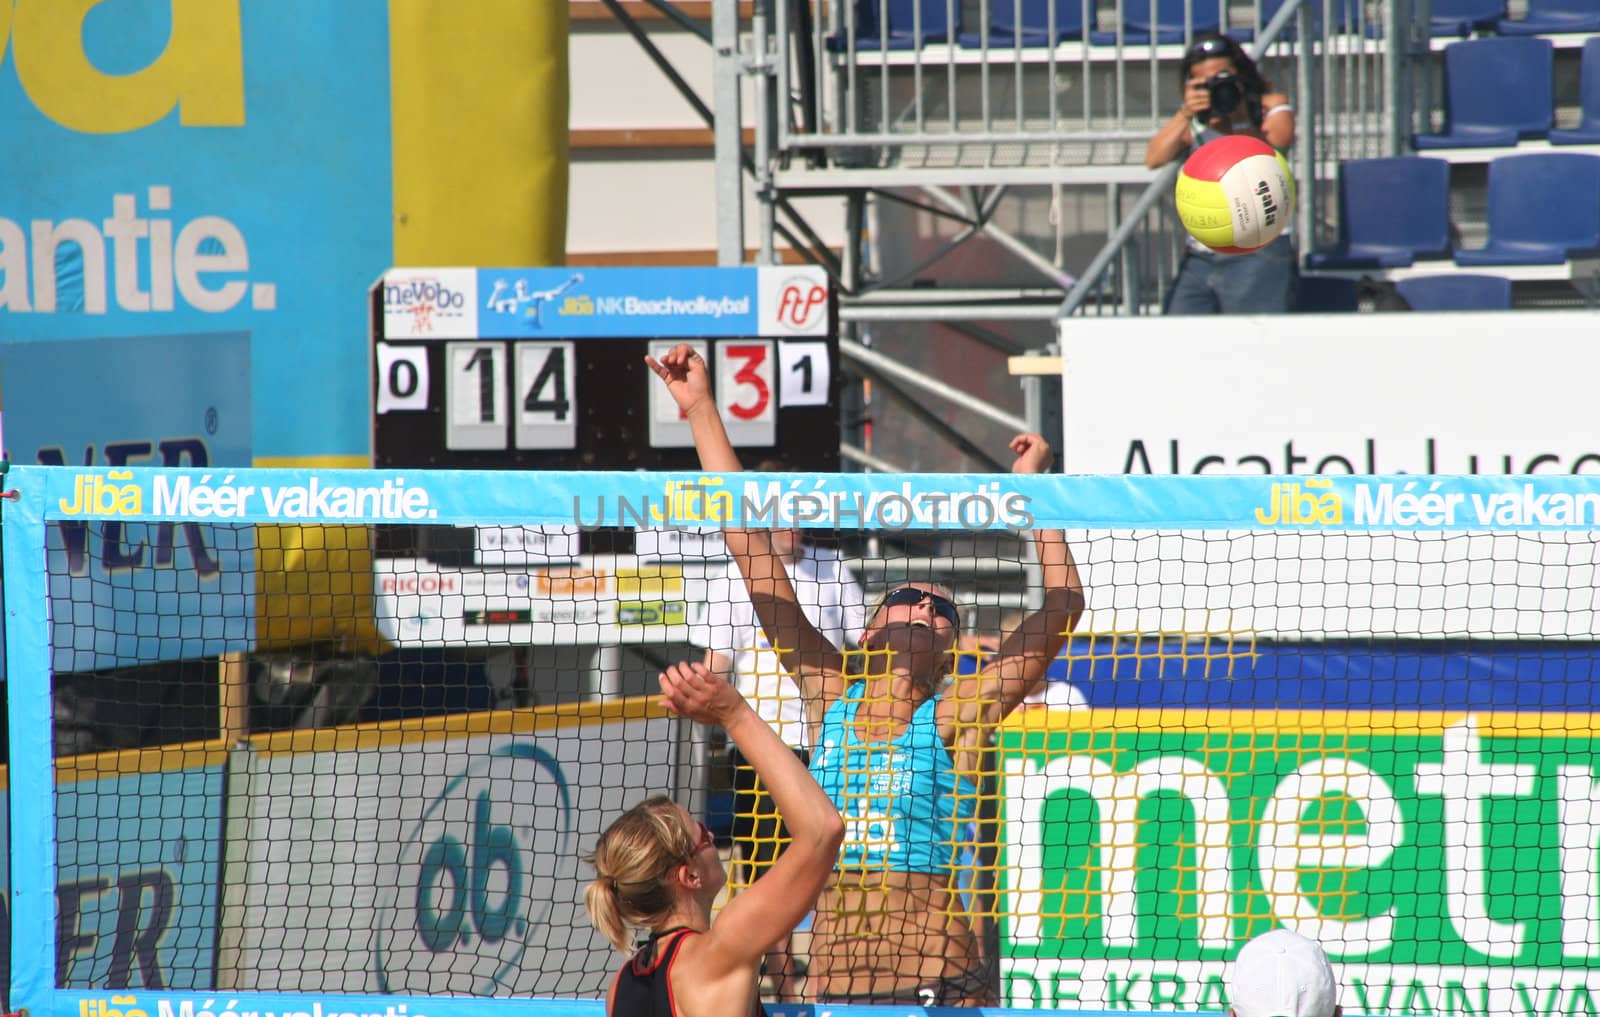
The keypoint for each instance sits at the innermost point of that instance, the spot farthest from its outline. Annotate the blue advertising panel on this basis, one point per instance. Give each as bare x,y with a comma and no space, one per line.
665,302
127,592
136,883
518,303
203,168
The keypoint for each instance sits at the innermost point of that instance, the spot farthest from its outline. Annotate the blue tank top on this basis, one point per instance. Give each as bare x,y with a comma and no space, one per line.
904,807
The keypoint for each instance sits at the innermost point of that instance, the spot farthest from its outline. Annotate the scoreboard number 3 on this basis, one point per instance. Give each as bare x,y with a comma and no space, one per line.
746,386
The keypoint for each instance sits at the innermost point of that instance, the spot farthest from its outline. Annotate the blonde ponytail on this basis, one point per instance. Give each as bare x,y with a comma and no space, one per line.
633,862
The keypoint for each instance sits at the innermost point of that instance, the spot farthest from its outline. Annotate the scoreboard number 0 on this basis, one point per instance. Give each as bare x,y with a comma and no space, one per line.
402,378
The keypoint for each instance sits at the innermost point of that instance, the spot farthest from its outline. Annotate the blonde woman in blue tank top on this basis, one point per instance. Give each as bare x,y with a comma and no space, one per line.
897,751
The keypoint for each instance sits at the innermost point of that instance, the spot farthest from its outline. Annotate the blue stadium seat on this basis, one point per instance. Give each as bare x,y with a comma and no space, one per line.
1497,92
1458,292
1545,17
900,28
1544,209
1588,132
1162,19
1325,294
1032,28
1344,16
1463,17
1391,212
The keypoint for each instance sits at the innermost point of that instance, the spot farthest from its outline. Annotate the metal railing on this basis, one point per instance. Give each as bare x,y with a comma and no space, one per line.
948,89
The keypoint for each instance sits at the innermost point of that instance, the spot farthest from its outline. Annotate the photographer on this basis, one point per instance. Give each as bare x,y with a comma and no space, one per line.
1223,93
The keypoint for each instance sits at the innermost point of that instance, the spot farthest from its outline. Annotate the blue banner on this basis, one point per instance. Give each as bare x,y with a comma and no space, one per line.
136,887
202,168
576,303
156,590
930,501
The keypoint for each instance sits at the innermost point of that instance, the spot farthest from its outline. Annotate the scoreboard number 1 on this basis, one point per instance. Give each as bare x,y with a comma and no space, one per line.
475,411
668,429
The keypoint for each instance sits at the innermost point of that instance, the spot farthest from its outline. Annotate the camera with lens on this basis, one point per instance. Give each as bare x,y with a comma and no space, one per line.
1227,93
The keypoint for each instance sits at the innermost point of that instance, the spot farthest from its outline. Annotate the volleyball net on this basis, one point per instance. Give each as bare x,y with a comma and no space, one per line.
1361,708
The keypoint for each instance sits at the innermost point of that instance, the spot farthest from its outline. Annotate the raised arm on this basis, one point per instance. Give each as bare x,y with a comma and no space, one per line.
814,663
1026,654
758,918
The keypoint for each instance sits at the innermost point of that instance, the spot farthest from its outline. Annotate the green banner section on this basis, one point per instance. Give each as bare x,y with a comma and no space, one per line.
1446,860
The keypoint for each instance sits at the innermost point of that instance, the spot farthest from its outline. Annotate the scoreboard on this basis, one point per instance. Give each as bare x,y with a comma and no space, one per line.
543,369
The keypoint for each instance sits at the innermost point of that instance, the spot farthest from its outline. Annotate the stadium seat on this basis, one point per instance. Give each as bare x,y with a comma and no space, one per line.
1497,92
1391,212
908,24
1324,294
1458,292
1587,132
1344,16
1544,209
1463,17
1032,28
1163,20
1548,17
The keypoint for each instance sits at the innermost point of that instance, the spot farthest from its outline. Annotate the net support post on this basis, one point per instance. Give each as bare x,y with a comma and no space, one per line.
726,136
232,677
1041,402
31,777
234,907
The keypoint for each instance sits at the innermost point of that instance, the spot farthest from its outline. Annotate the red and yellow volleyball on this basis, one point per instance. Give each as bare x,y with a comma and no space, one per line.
1235,194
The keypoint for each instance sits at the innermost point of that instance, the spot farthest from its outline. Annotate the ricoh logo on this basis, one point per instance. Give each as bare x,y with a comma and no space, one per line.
420,584
473,885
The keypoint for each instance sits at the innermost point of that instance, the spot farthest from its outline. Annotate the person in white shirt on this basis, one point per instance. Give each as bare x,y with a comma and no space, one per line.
738,650
1283,974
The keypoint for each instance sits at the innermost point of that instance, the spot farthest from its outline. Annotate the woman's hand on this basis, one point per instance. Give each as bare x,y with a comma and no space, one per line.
1033,454
690,690
684,372
1196,98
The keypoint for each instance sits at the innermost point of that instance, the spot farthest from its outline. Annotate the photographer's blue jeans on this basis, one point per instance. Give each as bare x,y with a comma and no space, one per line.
1260,283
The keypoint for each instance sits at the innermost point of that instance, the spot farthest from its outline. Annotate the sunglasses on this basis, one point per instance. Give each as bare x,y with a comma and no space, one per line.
1213,47
705,841
942,606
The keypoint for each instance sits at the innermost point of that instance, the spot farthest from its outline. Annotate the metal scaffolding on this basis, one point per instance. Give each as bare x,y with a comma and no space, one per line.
943,147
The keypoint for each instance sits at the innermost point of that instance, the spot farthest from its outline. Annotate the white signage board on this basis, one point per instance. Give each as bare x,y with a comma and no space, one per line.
1370,393
1302,394
411,862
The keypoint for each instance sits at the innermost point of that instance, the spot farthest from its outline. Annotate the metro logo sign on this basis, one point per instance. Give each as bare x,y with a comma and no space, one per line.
1446,850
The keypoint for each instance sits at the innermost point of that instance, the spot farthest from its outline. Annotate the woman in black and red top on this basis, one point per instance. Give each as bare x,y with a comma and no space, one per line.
656,869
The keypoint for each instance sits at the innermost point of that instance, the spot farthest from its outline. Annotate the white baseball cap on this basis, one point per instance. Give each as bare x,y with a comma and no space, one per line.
1282,974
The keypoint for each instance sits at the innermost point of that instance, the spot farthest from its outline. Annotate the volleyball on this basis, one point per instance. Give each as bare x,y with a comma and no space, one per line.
1235,194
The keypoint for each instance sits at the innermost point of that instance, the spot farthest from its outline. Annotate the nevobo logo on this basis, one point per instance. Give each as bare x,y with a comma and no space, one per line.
467,894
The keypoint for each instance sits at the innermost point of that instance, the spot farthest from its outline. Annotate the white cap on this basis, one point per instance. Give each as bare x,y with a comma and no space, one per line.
1282,974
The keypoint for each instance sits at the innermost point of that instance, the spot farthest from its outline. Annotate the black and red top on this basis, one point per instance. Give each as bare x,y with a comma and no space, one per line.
644,985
